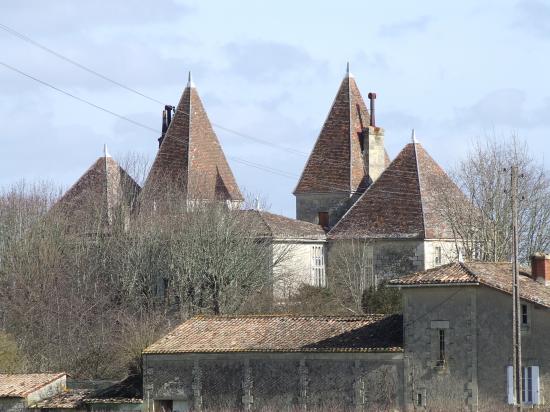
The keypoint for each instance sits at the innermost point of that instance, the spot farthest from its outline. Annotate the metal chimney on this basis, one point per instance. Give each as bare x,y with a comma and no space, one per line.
372,98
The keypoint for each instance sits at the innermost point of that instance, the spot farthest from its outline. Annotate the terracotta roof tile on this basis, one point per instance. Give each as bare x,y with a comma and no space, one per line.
275,333
336,163
100,190
21,385
282,227
190,160
404,202
494,275
71,399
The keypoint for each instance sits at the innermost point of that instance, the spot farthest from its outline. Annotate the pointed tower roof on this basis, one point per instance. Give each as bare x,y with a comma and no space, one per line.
336,163
103,188
190,161
405,202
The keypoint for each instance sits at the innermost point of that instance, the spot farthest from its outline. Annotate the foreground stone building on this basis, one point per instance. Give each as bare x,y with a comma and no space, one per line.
276,363
450,351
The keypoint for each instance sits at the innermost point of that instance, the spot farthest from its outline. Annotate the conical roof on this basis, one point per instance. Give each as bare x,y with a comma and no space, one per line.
406,201
336,163
190,162
103,191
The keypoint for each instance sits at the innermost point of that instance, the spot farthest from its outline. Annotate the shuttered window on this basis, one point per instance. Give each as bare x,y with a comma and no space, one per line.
530,385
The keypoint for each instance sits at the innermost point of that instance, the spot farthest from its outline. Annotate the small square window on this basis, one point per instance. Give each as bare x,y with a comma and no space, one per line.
524,315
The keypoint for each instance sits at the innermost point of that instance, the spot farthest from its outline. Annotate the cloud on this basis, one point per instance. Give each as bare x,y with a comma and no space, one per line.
405,27
505,107
61,16
533,16
268,60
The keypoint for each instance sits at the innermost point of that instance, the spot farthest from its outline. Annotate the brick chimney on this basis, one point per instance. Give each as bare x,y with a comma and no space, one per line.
540,268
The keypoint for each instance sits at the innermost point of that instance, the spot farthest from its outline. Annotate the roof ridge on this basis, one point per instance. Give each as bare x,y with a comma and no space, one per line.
361,196
414,143
289,316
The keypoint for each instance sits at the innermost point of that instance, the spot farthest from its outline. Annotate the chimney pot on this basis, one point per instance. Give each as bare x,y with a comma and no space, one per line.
540,268
372,98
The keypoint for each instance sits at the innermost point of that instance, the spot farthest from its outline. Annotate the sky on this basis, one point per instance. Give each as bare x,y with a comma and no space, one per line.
453,71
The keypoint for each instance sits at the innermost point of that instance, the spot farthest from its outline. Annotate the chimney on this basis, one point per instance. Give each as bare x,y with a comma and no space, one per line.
164,127
540,268
169,110
372,98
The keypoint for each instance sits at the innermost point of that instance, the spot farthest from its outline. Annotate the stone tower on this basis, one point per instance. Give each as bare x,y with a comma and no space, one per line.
348,156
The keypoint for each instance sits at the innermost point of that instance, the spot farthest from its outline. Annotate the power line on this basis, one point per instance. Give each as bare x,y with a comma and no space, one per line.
80,99
237,159
27,39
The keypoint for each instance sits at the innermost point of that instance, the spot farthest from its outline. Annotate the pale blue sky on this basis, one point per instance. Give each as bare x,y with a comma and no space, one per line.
451,70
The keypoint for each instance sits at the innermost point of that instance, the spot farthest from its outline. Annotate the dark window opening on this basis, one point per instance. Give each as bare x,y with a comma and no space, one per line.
323,219
419,399
441,354
524,317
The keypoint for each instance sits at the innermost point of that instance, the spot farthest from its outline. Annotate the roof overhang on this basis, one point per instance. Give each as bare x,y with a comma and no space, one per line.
432,285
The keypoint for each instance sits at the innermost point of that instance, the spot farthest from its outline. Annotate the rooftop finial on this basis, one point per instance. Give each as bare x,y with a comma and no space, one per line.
413,137
105,151
190,80
348,73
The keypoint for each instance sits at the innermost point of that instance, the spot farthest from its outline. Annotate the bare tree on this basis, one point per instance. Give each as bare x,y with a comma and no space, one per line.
482,225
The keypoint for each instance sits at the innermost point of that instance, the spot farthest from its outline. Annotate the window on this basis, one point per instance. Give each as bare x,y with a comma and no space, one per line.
524,315
530,385
437,255
419,399
318,266
441,353
323,219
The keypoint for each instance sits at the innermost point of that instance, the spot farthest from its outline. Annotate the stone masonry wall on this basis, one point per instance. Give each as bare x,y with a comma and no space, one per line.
429,385
308,206
275,381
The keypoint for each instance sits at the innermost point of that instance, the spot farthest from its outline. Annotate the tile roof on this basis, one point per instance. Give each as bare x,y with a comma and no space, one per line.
71,399
336,163
404,202
494,275
281,227
101,189
277,333
21,385
190,160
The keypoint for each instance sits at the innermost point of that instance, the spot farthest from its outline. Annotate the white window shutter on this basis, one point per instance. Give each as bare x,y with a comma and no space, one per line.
510,385
536,386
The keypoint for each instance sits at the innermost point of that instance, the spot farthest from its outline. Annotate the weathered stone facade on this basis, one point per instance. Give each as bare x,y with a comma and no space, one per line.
458,338
275,381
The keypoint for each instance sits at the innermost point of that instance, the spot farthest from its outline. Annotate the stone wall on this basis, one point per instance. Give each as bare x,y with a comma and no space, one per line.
448,386
295,267
275,381
478,340
385,259
336,204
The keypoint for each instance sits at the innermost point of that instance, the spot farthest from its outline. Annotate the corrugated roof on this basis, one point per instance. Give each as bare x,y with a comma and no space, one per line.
406,201
494,275
277,333
21,385
190,161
